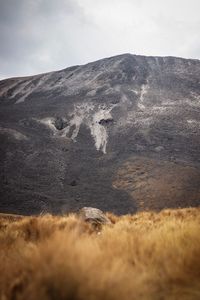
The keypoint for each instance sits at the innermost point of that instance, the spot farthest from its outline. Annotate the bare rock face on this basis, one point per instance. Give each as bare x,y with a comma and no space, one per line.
94,216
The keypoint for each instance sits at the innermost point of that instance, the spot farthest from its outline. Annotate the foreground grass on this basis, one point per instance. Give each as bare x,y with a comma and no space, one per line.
144,256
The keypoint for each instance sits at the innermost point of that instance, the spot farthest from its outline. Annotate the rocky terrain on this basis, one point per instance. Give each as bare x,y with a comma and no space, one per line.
120,134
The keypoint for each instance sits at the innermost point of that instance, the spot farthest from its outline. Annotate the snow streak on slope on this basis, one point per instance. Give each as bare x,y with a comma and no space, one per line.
98,131
144,89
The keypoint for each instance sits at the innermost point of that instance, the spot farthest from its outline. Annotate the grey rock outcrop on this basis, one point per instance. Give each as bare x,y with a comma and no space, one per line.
94,216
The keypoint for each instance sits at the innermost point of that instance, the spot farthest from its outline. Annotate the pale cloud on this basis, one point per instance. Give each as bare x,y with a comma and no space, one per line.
43,35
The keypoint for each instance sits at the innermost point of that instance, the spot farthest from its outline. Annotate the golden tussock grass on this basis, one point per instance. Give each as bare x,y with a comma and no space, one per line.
143,256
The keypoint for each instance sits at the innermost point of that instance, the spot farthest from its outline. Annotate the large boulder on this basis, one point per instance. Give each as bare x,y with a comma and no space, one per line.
94,216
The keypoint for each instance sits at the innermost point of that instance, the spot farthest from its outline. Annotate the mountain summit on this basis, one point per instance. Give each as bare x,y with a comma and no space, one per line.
120,134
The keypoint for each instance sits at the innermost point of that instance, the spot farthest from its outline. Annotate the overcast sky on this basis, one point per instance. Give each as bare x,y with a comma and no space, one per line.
44,35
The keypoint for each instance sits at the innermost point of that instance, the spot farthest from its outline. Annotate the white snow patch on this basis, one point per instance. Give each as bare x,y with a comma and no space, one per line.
143,92
49,123
80,115
98,131
76,121
90,115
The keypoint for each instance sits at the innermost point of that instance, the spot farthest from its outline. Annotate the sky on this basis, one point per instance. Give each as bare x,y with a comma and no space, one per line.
39,36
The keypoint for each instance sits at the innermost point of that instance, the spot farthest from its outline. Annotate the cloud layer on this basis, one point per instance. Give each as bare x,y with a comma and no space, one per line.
43,35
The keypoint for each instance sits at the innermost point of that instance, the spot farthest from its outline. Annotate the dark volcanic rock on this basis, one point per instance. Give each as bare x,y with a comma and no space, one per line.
60,124
106,121
112,134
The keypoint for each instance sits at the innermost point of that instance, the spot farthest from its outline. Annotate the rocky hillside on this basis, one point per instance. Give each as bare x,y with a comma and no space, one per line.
121,134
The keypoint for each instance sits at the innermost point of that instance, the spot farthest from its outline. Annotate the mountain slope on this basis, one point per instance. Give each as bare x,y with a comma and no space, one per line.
120,134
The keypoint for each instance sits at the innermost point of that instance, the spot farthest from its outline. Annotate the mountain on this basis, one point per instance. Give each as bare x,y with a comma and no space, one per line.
120,134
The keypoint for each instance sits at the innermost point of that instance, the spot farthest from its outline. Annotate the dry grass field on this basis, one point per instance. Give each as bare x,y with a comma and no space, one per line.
143,256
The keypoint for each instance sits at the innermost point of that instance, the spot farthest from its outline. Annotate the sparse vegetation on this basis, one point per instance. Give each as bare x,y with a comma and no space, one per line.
143,256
